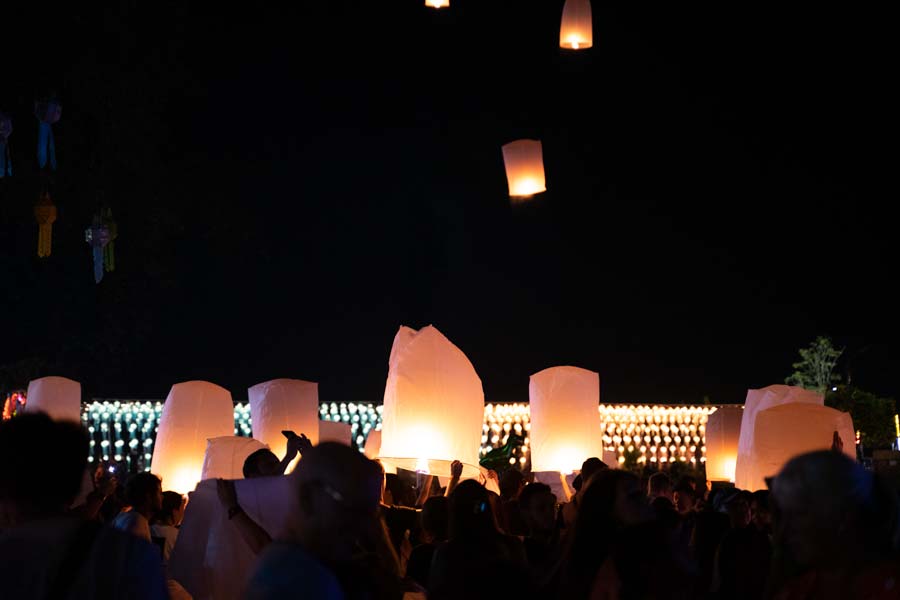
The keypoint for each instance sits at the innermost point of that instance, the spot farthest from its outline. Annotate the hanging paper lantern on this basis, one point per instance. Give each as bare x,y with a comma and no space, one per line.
284,405
225,456
437,3
194,412
334,431
723,431
565,420
109,251
758,400
433,406
97,235
59,397
576,29
45,213
524,168
5,132
47,112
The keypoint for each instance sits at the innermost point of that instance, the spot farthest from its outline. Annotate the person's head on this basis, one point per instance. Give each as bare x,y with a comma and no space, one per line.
471,515
591,467
172,511
143,492
659,485
684,497
733,502
435,518
828,511
262,463
537,505
760,514
511,483
29,444
338,493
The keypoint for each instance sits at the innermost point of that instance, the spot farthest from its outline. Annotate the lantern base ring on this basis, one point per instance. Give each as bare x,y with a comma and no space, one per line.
438,467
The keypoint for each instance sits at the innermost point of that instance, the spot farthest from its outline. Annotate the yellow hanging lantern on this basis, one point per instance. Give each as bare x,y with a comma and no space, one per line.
723,432
524,168
576,30
45,213
437,3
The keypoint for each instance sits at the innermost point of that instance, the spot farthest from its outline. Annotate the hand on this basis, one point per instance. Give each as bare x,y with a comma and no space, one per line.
227,493
492,474
298,443
456,469
837,444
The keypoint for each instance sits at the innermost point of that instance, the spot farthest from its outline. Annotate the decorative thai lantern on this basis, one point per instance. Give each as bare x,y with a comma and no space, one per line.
97,235
576,30
334,431
45,214
723,431
225,456
433,406
5,132
758,400
48,112
565,420
373,444
784,431
284,405
194,412
59,397
524,168
437,3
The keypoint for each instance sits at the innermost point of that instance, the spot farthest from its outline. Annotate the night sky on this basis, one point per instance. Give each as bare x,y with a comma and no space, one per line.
294,181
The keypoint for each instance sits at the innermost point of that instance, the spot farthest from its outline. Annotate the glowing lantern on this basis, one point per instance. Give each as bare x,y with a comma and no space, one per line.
5,131
45,214
59,397
433,406
194,412
576,30
437,3
565,422
284,405
48,113
373,444
524,168
723,431
334,431
225,456
758,400
784,431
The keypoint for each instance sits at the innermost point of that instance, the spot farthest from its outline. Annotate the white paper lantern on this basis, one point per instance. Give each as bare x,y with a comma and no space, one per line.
758,400
576,29
334,431
225,456
437,3
373,444
784,431
433,406
524,162
194,412
565,421
59,397
723,432
284,405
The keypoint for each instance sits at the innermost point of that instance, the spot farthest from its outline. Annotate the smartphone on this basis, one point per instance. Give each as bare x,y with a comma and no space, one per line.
288,434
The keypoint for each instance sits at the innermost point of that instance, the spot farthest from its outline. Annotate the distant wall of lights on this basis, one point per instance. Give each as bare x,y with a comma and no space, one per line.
124,431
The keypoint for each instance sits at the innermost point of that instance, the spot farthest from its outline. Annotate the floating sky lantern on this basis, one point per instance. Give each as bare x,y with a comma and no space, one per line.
98,237
433,406
194,412
334,431
59,397
372,446
225,456
284,405
723,432
524,168
5,132
565,422
437,3
45,215
48,112
576,29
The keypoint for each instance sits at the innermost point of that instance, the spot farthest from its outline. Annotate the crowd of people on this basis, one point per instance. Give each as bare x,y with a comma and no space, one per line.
825,528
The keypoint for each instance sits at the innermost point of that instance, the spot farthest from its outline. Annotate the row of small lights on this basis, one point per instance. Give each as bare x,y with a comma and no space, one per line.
126,430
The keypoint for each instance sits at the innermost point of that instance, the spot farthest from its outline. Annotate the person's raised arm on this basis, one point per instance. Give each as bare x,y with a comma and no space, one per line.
255,536
296,444
456,468
565,486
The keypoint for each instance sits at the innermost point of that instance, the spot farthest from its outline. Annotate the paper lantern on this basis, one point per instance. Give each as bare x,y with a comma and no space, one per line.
48,112
284,405
723,432
194,412
782,432
758,400
437,3
373,444
565,421
45,215
334,431
59,397
524,168
576,30
225,456
433,406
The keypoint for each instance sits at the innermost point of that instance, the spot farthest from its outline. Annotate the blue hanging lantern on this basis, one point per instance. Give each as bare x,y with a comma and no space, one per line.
47,112
97,235
5,131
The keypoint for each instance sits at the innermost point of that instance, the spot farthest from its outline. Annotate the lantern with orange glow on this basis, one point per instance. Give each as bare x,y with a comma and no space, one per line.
437,3
334,431
576,29
433,406
59,397
373,444
225,456
194,412
723,432
524,163
45,215
565,421
284,405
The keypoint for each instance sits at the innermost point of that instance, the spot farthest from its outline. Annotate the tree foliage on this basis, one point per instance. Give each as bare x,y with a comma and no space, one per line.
815,369
872,416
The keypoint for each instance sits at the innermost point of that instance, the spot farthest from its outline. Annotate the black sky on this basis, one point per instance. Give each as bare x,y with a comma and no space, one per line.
293,183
